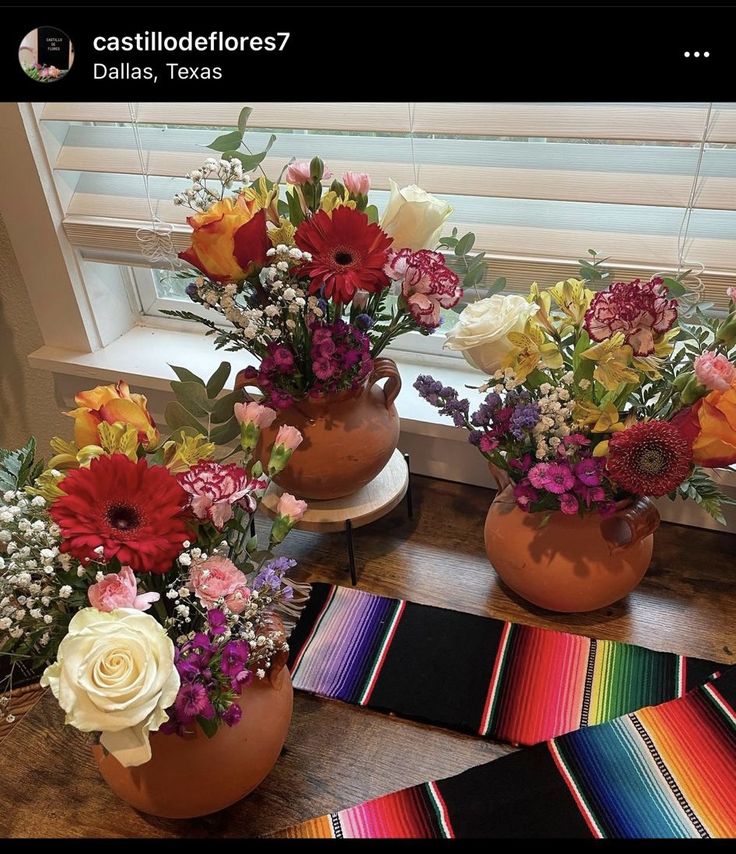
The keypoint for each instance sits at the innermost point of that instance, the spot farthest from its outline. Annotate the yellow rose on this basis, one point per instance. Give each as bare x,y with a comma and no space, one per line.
229,240
111,404
414,218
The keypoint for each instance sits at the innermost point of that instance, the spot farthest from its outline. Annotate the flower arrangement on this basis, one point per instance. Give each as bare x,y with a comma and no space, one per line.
129,570
594,397
44,73
313,284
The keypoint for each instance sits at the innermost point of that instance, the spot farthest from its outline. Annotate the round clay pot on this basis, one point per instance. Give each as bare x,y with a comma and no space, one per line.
348,437
571,563
195,775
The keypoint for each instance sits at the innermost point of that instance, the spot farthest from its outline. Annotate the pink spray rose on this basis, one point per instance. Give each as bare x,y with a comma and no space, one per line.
289,437
120,590
217,578
715,372
299,173
428,284
357,183
254,413
215,488
291,508
639,310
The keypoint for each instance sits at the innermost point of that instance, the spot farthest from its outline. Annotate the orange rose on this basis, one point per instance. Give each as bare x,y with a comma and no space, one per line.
229,240
711,423
112,404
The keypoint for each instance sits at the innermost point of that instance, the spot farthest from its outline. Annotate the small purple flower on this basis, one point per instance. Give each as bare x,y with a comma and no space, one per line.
590,494
240,680
323,369
525,494
588,472
569,504
524,418
232,714
538,475
217,621
364,321
523,465
283,359
324,349
235,655
475,436
321,334
559,478
488,443
192,701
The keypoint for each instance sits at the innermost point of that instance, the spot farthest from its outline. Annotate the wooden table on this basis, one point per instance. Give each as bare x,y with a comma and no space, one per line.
338,755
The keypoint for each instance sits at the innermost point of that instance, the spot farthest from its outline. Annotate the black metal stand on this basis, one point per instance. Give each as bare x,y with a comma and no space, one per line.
349,526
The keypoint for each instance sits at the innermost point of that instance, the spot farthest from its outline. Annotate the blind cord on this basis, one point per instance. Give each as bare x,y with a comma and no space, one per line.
411,140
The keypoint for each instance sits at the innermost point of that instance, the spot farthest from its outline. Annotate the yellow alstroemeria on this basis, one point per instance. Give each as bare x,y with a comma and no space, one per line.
600,419
119,439
181,454
68,456
264,198
573,298
651,364
47,485
612,368
284,233
332,200
543,299
531,348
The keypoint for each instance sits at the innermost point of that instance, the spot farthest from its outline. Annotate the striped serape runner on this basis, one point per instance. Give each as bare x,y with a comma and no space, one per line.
499,680
666,771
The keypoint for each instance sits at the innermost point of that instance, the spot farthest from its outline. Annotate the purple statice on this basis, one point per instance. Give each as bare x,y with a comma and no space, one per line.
364,322
270,578
524,418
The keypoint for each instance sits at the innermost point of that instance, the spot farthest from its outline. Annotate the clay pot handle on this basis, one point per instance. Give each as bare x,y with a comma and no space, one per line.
242,381
501,477
386,369
631,524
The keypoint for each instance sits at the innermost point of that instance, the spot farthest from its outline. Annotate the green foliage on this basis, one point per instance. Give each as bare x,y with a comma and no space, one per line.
227,144
496,287
19,468
199,407
703,490
591,270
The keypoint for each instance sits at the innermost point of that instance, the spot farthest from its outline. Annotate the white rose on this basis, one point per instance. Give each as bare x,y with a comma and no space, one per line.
480,333
115,674
414,218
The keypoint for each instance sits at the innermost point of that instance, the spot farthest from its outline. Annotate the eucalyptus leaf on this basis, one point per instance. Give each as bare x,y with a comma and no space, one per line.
185,375
675,288
224,433
496,287
216,382
227,141
223,410
251,161
243,119
192,397
177,416
465,244
449,242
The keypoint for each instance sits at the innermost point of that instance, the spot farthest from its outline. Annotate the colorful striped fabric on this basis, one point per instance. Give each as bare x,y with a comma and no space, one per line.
666,771
511,683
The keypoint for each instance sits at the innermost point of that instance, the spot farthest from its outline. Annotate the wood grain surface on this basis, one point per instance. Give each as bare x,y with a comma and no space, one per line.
338,755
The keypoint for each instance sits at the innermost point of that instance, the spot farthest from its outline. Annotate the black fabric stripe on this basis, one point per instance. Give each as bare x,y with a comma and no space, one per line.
299,635
588,690
698,671
520,796
438,667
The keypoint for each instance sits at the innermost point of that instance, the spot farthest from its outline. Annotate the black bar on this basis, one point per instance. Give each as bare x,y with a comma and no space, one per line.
409,497
351,552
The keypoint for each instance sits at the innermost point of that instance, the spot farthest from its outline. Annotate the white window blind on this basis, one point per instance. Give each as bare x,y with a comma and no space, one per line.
649,186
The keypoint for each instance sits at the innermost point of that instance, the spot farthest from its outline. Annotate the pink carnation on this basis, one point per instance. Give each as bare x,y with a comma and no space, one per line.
289,437
569,504
641,311
119,590
254,413
215,488
218,579
357,183
553,477
715,372
428,284
291,508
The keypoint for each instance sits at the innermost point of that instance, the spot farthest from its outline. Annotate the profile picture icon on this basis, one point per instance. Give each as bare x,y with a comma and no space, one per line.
46,54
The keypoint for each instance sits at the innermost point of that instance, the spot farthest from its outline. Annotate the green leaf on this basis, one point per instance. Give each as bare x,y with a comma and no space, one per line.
192,397
227,141
496,287
449,242
223,410
243,119
582,345
217,381
465,244
185,375
372,213
251,545
209,727
17,466
295,209
250,161
676,289
224,433
177,416
282,207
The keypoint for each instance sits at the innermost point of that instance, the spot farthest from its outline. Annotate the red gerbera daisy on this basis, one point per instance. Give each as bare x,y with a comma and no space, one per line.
348,253
651,458
135,512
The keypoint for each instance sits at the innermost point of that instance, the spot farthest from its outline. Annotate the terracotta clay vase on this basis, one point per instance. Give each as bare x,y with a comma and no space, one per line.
195,775
348,437
571,563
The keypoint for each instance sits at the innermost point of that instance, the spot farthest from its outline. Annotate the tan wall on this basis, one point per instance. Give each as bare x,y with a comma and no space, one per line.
27,400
